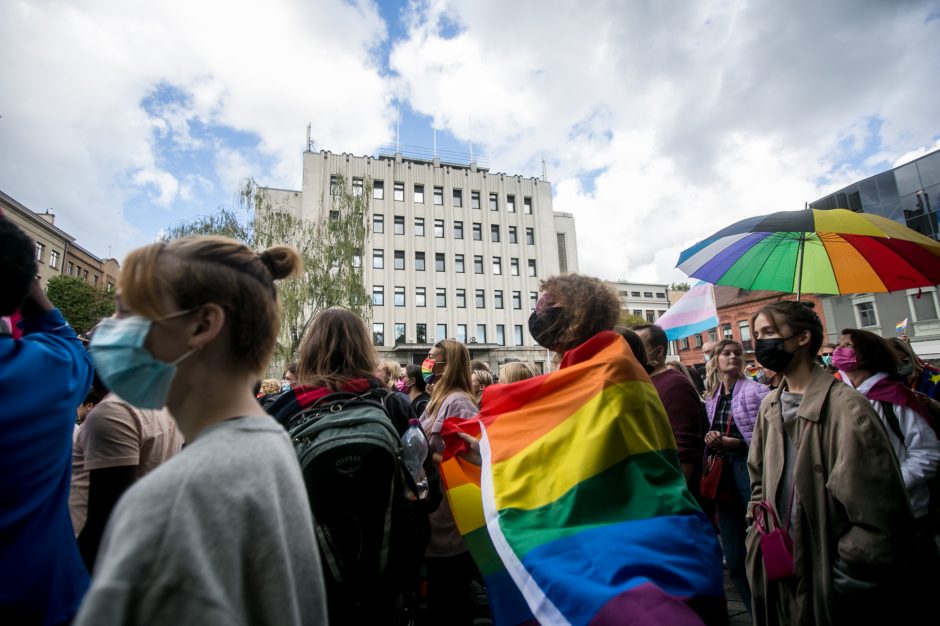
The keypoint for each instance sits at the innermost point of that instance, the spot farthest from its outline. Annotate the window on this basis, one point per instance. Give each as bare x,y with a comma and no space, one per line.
514,266
635,294
440,297
501,334
477,231
713,335
458,230
726,331
660,294
40,250
439,228
531,267
419,194
474,199
517,300
439,196
439,265
494,232
85,275
530,236
54,258
457,198
527,205
334,215
399,259
419,261
647,294
512,235
650,316
378,189
334,185
497,265
866,314
684,343
421,333
923,304
744,329
399,296
458,263
461,298
477,264
481,333
357,187
462,333
494,202
638,312
399,191
419,227
378,295
533,298
378,333
498,298
378,223
378,259
399,227
399,334
562,252
659,314
69,269
357,259
110,287
511,204
698,341
441,331
421,296
480,299
95,280
517,334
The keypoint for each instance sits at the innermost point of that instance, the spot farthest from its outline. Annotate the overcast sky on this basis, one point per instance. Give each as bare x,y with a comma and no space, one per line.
660,122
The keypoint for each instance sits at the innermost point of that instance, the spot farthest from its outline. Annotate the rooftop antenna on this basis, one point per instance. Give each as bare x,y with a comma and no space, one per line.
308,137
471,138
434,132
398,131
544,170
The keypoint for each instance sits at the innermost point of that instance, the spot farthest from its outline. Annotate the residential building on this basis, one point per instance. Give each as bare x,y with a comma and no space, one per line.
644,300
909,194
454,250
56,251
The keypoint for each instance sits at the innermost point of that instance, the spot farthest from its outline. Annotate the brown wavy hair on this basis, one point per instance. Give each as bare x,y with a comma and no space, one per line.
456,376
336,348
590,306
872,351
194,271
799,316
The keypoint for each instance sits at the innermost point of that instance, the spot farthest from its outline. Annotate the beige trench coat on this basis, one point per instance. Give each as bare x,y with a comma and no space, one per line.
850,499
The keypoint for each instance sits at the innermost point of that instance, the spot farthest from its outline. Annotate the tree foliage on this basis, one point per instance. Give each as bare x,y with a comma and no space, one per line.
331,247
82,305
679,287
628,319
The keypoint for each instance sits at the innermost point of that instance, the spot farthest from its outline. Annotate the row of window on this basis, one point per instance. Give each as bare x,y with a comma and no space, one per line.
460,297
440,332
437,195
646,294
440,263
651,316
70,268
378,226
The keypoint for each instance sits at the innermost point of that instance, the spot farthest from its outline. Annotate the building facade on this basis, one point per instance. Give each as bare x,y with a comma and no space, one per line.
645,300
453,251
56,251
909,194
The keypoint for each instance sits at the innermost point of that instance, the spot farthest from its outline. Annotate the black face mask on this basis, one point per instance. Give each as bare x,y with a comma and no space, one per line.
547,327
770,353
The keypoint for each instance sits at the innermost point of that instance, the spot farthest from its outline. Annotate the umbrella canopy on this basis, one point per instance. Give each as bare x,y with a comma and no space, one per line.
815,251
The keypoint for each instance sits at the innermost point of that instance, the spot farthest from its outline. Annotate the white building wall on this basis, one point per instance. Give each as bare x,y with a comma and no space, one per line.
643,299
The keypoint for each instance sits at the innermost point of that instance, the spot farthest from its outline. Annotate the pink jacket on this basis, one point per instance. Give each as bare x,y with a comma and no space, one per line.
745,403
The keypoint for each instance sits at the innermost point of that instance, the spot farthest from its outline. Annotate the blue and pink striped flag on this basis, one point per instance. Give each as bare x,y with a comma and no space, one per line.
693,313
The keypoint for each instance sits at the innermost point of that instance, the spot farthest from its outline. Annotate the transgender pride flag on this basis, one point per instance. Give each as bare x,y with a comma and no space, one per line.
693,313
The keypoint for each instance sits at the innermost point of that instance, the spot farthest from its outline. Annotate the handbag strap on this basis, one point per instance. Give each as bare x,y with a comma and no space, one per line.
764,508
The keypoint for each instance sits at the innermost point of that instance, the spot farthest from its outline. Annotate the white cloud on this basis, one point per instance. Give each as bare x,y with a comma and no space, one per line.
74,133
695,115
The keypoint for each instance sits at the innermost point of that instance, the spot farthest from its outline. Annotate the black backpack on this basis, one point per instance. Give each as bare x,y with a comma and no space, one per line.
350,456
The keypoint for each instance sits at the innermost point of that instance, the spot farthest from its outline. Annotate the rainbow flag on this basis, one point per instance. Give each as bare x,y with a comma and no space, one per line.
901,326
579,513
693,313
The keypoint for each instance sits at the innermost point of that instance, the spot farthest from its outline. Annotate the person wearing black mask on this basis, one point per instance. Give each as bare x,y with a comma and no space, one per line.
822,459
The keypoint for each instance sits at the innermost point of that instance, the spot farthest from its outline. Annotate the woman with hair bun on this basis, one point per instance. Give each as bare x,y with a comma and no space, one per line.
222,533
820,456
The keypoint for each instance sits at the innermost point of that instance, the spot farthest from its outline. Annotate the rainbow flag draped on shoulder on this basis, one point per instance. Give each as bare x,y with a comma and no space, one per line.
580,513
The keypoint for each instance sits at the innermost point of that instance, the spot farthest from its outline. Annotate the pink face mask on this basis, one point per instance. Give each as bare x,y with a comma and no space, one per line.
844,358
402,385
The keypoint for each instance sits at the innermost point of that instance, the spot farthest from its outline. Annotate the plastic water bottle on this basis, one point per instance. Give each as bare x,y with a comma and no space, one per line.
414,450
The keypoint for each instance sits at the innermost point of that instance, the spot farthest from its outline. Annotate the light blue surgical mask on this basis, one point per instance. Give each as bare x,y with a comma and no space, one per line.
127,367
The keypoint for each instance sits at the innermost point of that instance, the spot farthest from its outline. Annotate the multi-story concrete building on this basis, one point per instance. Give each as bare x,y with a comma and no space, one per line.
454,250
909,194
56,250
648,301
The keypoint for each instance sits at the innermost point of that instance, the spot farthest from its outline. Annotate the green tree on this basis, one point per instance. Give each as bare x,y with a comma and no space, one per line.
679,287
331,248
628,319
82,305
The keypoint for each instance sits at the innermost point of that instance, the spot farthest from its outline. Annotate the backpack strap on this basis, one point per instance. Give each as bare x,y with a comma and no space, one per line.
892,419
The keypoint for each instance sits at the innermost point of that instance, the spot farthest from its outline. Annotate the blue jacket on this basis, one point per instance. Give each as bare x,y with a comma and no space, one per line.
44,376
745,403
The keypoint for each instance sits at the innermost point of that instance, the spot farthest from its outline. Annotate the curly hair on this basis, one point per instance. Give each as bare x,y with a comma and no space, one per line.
590,306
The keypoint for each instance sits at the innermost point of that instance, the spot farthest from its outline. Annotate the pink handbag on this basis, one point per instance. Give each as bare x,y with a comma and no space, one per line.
775,544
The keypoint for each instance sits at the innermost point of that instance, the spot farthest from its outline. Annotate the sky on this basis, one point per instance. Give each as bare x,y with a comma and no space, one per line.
658,122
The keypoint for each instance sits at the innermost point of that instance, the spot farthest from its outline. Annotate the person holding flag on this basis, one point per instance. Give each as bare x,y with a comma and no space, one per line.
578,511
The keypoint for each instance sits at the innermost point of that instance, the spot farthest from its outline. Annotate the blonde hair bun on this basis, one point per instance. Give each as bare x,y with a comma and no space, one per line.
282,261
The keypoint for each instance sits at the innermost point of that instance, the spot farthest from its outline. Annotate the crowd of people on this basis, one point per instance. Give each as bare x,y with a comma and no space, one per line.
179,496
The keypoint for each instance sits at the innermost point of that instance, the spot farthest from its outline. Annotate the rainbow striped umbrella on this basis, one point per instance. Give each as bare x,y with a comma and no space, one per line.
815,251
